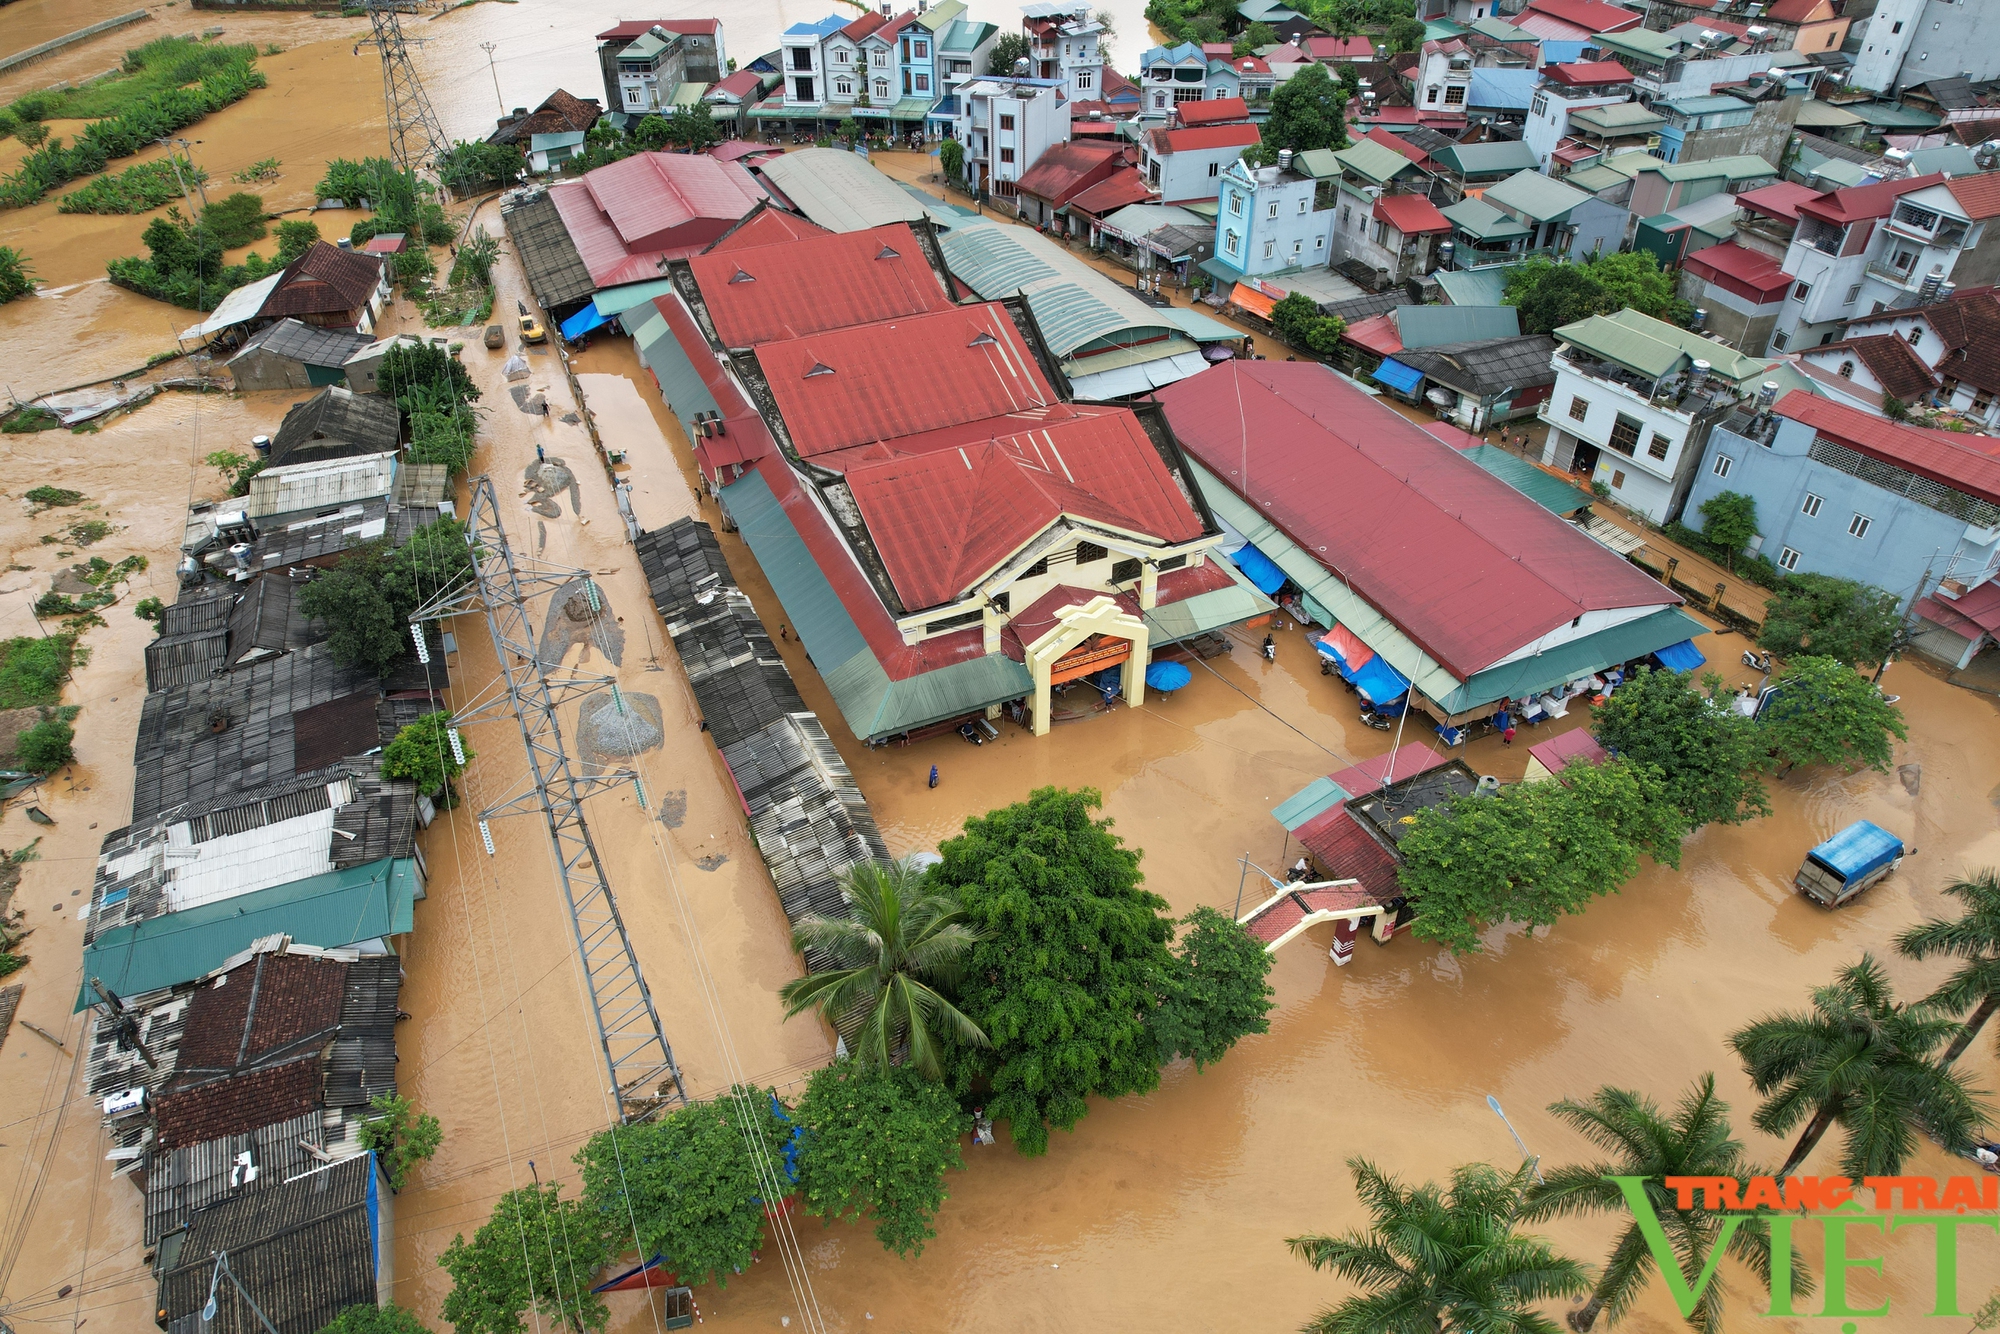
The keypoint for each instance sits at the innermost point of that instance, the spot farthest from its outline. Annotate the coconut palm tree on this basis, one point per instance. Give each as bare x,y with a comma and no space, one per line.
1441,1259
1861,1059
886,963
1646,1142
1975,938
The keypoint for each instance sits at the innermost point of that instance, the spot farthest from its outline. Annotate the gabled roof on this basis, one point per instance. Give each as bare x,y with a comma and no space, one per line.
1780,200
649,196
1536,195
273,1007
1125,186
1793,11
1487,366
1859,202
630,28
556,272
1585,73
753,294
821,29
1370,159
560,113
1968,324
336,423
1942,456
307,344
1751,274
1073,304
1899,370
1412,215
743,83
943,520
1063,168
1487,159
1322,47
1202,138
233,1106
1483,222
1655,348
1207,111
1618,118
1590,15
847,387
1476,571
838,190
326,280
1978,195
764,225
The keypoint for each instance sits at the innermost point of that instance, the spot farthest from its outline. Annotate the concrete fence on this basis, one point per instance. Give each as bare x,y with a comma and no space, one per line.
46,49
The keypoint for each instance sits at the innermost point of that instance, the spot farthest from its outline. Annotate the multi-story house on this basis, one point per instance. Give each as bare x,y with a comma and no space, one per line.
1737,293
1957,342
1006,124
682,51
1757,121
1935,235
1809,26
1066,43
1267,222
1574,20
1441,80
804,63
1568,88
1634,402
848,77
1170,74
1245,77
1382,217
1562,220
1688,62
1843,492
1186,166
1468,169
1910,41
962,49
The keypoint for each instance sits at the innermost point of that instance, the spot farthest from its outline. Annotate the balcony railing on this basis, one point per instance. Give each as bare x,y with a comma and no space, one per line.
1907,280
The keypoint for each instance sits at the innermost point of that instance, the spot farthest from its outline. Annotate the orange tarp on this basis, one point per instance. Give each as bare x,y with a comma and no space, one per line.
1245,297
1352,651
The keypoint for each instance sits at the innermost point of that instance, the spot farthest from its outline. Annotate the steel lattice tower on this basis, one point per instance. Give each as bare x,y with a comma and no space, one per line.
416,139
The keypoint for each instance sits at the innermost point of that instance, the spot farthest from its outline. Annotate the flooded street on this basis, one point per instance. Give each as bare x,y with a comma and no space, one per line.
1168,1209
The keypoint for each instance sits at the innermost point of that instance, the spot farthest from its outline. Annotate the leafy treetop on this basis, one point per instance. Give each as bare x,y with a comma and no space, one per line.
421,753
495,1278
1830,618
1707,753
1308,111
1215,991
878,1141
1550,295
1825,712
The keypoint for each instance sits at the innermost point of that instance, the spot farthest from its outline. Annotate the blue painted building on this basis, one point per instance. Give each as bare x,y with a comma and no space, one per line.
1843,492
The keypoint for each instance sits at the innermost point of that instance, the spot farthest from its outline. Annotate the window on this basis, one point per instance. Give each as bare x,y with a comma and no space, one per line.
1088,552
1272,211
1858,525
1006,122
1003,602
1846,371
843,87
1236,204
923,83
1298,244
1832,37
1916,336
1346,215
1893,31
802,90
922,50
1319,243
802,58
1229,240
882,89
953,622
1788,559
1981,402
1215,168
1811,508
1304,204
1658,446
1269,246
1617,480
1852,293
1778,341
1723,463
1454,96
840,57
1579,408
1625,435
1801,291
1124,571
632,96
1084,78
881,59
1006,155
1039,567
1171,563
1541,105
1431,96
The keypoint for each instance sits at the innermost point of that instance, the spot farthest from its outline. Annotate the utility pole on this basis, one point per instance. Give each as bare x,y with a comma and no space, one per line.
174,159
494,70
127,1027
416,138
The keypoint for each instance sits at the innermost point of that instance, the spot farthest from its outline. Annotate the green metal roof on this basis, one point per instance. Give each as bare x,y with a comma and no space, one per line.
1536,195
965,35
1884,116
1488,159
1073,303
1376,163
1551,493
1595,178
1739,167
940,14
839,191
1438,30
1324,162
1500,30
1315,798
1621,118
681,385
1656,47
617,300
1433,326
1483,222
1566,662
1707,104
1200,327
1475,287
688,94
1833,171
1655,348
343,907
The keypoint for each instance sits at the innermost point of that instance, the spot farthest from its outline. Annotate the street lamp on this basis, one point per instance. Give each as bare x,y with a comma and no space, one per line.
1536,1158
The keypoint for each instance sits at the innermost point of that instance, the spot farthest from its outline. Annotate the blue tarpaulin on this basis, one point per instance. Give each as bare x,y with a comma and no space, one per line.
581,323
1859,849
1403,379
1681,657
1258,569
1379,681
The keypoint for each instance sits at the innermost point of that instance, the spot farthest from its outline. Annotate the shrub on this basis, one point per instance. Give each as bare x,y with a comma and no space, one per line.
237,220
15,279
150,609
137,189
437,437
33,669
294,239
46,747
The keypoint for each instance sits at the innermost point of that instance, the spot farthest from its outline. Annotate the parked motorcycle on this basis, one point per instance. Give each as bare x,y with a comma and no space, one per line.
1381,722
1759,661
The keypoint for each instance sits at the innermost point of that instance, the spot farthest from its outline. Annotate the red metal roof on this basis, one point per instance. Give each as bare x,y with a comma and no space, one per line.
1857,202
765,226
1247,64
1978,195
1575,744
743,83
745,437
1064,169
1346,851
1204,136
853,386
754,295
1211,111
1377,334
1938,455
1322,47
1399,145
1779,201
1125,186
1793,11
1968,324
1588,14
943,520
1581,73
1406,761
862,26
1978,610
1750,274
628,217
1466,566
631,28
1412,215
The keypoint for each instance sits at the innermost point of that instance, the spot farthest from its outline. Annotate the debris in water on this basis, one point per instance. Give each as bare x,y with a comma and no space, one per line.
1912,776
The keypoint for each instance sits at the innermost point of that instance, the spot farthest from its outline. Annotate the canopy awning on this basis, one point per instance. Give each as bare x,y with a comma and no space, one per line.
581,323
1393,373
1122,381
1379,681
1258,569
1681,657
1313,799
1346,649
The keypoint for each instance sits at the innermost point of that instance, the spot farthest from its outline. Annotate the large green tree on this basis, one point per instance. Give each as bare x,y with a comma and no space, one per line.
1729,519
436,559
1695,1140
1441,1259
1011,47
1534,852
1707,753
362,627
538,1252
887,969
400,1135
1973,938
693,1184
1215,992
422,376
1862,1060
1825,712
1071,962
1308,111
1831,618
368,1318
878,1141
1551,293
421,752
1634,280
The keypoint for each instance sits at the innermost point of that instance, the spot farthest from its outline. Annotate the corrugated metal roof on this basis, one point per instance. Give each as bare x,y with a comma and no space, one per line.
754,296
195,1176
1622,118
1474,287
1535,195
557,275
1428,326
838,190
306,344
1655,348
324,484
1551,493
341,907
1073,303
1497,86
336,423
239,307
1483,222
1371,161
1487,159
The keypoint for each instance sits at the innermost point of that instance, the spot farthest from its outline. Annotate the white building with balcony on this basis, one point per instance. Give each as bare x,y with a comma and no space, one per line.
804,62
1634,402
1066,44
1170,74
1006,125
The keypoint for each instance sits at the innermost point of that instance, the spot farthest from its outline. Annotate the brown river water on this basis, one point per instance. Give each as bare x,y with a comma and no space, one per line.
1168,1209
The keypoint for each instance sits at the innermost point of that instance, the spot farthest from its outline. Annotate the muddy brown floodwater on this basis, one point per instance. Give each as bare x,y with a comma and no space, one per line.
1168,1209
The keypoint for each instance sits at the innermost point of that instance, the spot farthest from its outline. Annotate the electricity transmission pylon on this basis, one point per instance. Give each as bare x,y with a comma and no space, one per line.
416,138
